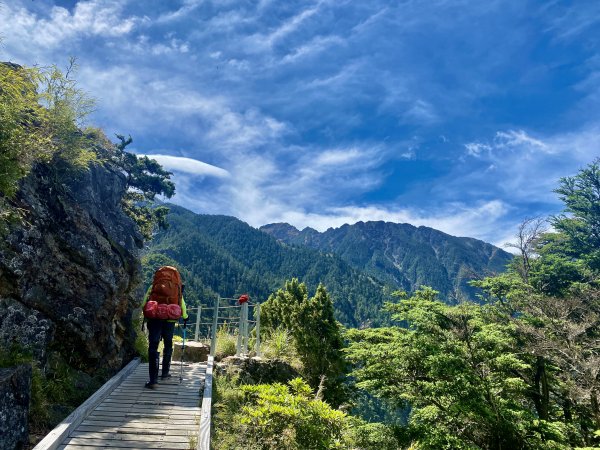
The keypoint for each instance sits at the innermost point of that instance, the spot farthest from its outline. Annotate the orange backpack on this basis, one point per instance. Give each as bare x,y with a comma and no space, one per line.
165,296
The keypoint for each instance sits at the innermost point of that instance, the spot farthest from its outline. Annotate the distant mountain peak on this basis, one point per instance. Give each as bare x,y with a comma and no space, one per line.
281,230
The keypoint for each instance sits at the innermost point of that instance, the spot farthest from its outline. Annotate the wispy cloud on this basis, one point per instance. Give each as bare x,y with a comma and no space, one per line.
188,7
261,42
338,157
477,148
188,165
518,138
528,168
457,115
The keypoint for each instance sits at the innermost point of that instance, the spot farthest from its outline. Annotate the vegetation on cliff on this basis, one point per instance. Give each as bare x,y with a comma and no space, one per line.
72,225
42,113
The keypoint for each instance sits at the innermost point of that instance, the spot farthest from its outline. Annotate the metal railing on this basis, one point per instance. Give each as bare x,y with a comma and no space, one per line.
232,316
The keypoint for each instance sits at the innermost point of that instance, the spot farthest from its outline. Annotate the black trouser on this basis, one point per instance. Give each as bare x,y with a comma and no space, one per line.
158,329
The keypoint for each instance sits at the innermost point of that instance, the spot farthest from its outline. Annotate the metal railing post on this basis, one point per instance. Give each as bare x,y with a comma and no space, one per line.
245,329
213,342
258,329
238,347
198,322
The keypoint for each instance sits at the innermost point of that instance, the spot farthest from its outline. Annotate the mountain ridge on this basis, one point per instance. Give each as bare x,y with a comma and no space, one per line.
389,251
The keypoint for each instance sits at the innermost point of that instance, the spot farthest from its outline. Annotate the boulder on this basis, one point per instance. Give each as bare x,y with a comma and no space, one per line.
194,351
15,387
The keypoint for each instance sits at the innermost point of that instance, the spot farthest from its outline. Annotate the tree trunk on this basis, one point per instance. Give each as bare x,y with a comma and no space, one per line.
595,407
542,390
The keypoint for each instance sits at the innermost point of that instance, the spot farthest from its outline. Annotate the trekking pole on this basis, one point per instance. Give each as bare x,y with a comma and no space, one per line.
182,352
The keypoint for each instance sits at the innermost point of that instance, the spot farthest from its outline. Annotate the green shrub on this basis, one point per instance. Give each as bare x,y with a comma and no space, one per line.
55,393
141,339
226,343
287,417
279,344
362,435
276,416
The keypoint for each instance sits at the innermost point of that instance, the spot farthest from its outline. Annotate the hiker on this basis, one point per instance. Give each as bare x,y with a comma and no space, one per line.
163,306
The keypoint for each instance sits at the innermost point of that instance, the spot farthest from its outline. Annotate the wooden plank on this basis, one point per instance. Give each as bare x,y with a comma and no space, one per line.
132,437
177,410
126,444
174,428
181,430
62,430
205,418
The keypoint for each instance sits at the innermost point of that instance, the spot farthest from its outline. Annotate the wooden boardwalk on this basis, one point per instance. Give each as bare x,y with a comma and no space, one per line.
134,417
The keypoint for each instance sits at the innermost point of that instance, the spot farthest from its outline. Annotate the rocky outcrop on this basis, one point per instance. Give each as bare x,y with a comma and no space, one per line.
14,407
69,270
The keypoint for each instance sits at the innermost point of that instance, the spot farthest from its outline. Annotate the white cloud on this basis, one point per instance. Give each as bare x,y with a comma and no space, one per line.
477,148
189,165
422,112
338,157
519,138
509,146
510,140
172,46
527,169
24,29
177,105
243,130
261,190
456,219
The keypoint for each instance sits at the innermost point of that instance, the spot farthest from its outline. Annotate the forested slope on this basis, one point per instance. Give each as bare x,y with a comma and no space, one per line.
219,254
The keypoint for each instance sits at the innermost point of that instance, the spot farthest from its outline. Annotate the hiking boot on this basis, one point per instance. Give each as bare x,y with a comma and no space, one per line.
165,376
151,385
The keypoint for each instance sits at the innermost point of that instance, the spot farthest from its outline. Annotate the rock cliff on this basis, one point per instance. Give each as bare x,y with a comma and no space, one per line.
69,270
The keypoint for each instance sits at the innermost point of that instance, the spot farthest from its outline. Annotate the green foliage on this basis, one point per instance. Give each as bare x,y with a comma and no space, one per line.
288,417
317,335
41,112
141,339
554,310
284,417
226,343
24,134
581,195
458,369
279,344
67,106
364,435
145,180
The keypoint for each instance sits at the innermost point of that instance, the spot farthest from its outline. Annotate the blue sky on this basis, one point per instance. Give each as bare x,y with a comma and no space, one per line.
460,115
